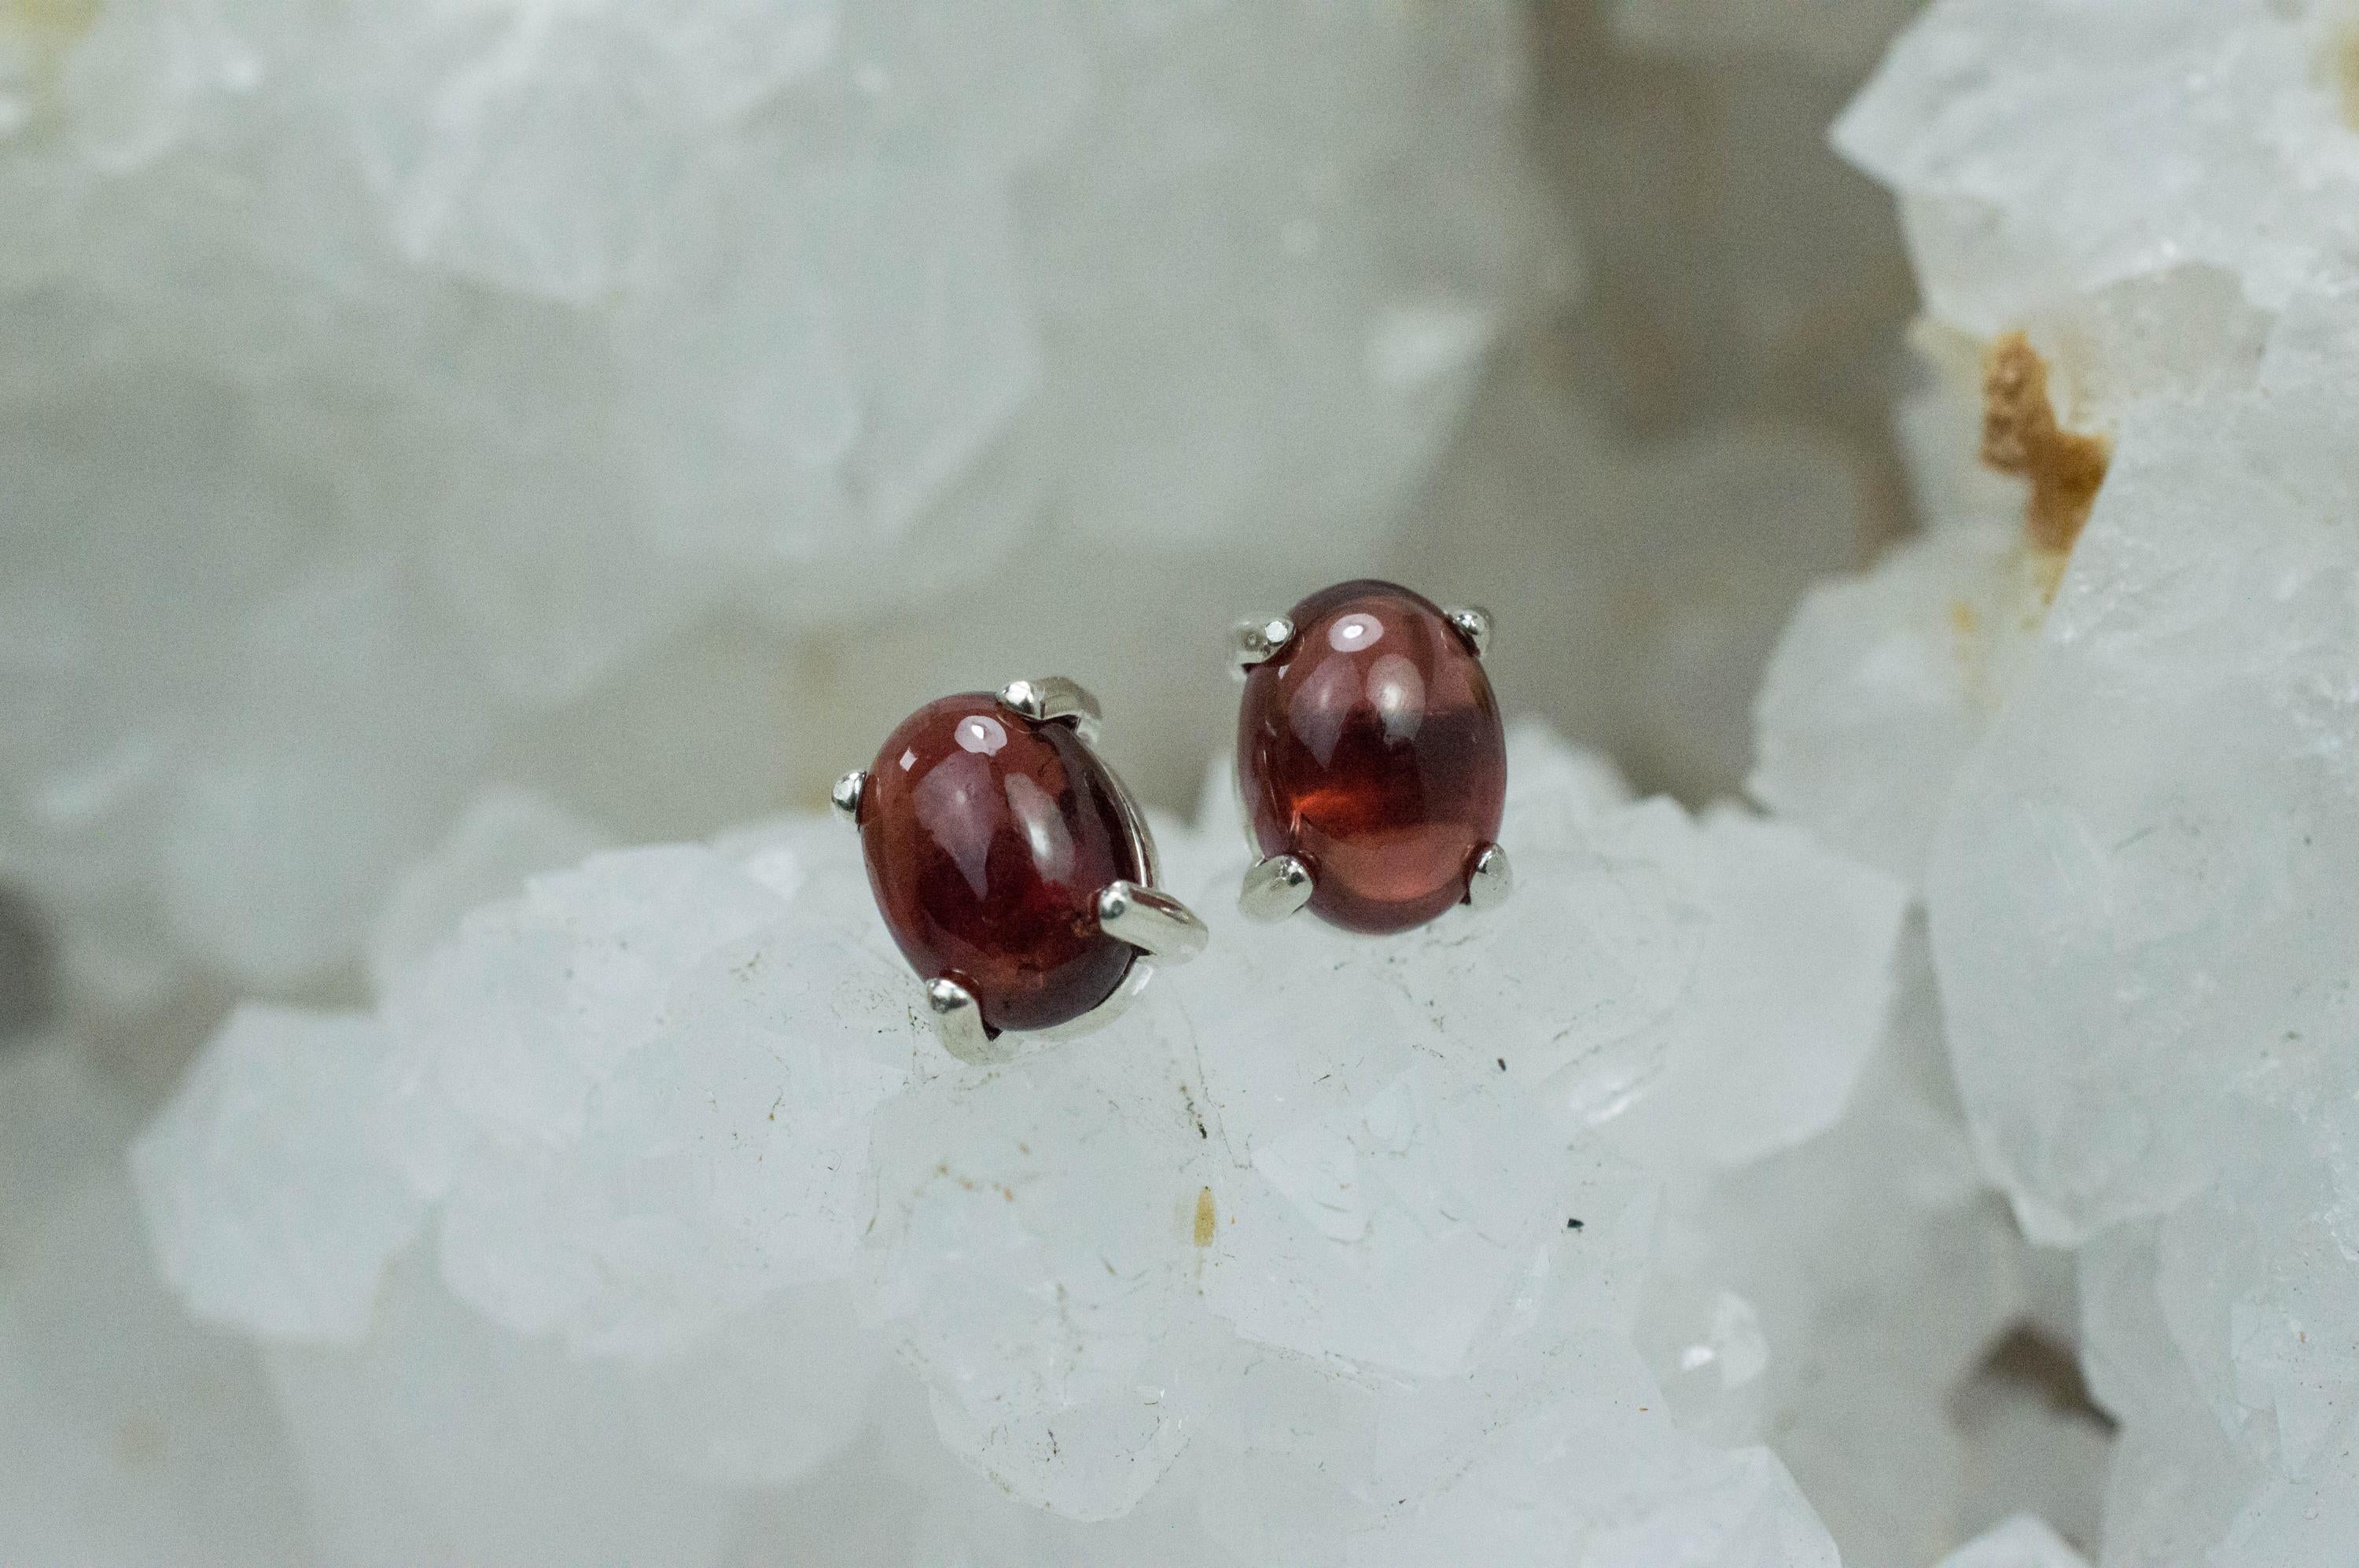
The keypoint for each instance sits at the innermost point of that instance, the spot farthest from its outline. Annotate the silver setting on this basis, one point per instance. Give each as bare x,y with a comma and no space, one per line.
845,796
1491,880
1274,888
1052,698
958,1023
1473,624
1159,927
1134,824
1157,924
1256,640
1169,920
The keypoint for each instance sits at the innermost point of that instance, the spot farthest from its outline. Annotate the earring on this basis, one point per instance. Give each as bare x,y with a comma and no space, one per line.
1371,760
1012,867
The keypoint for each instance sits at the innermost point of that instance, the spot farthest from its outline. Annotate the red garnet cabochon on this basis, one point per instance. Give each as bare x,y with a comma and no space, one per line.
987,837
1371,749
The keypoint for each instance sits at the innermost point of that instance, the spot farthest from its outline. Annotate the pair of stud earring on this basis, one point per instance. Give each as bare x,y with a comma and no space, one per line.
1017,875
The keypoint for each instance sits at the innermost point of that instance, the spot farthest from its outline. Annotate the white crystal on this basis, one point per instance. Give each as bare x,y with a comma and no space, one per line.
690,1192
2164,900
1878,690
1622,1493
506,835
2022,1541
443,1437
2131,837
1874,1270
132,1435
533,148
768,1397
1366,1265
1038,1235
270,1206
1391,1233
1792,988
576,973
2025,139
593,1189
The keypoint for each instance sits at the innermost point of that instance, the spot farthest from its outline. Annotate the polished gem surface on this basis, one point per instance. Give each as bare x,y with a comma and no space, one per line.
987,838
1371,749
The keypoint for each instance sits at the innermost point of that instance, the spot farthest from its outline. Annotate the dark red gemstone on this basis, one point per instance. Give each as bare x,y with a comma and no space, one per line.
987,838
1371,749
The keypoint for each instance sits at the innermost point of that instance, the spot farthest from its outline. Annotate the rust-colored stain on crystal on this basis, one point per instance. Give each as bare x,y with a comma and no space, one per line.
1206,1217
2021,436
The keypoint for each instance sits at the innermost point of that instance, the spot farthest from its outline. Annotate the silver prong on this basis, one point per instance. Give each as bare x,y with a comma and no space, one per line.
959,1022
1256,640
1274,888
1473,624
1154,922
1054,697
845,796
1491,880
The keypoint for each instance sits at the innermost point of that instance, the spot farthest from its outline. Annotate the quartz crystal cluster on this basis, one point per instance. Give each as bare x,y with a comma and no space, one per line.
2103,713
648,1192
402,403
401,396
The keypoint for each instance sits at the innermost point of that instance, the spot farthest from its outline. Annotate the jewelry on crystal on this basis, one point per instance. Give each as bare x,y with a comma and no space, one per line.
1370,759
1013,868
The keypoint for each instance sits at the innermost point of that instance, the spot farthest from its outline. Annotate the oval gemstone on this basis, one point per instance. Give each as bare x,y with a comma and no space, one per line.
1371,749
987,838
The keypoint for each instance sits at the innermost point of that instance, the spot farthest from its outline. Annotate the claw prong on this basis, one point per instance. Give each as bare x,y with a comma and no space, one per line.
1050,698
1492,878
1473,624
1152,921
959,1023
845,794
1256,640
1275,888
